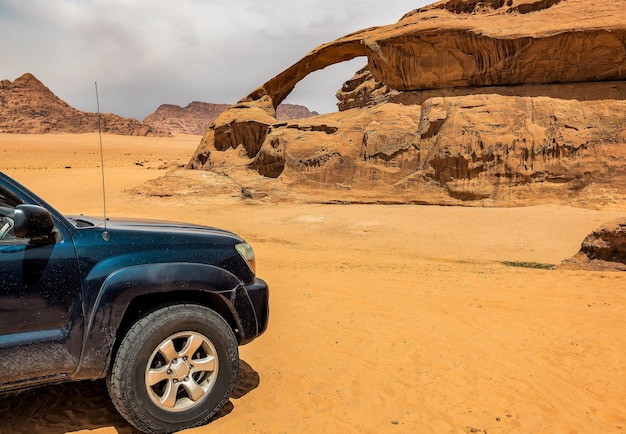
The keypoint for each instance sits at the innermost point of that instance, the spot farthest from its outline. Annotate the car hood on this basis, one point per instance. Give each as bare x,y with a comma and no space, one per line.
147,225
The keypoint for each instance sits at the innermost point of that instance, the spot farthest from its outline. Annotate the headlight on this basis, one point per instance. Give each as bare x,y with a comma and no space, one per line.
247,254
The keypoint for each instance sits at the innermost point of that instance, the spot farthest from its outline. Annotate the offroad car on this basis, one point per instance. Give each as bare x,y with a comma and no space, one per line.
158,309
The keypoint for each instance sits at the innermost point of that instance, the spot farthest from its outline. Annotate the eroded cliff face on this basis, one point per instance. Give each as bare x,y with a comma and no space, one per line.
492,147
461,102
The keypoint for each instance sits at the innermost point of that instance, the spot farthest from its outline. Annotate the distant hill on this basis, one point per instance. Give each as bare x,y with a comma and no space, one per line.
196,117
27,106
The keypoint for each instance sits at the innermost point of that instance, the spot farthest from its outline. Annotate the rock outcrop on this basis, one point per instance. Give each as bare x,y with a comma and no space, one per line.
27,106
197,116
603,249
468,102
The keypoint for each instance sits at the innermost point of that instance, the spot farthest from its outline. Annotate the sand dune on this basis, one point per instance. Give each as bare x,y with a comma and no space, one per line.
389,319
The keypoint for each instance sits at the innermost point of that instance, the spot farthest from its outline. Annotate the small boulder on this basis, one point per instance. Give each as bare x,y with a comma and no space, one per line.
603,249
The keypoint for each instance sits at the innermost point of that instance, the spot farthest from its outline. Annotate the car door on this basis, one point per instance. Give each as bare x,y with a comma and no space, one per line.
40,303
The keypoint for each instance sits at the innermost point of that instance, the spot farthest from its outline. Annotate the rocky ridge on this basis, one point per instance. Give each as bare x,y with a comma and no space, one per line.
198,116
27,106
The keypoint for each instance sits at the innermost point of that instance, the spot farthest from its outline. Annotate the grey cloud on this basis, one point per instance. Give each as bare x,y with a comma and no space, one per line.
144,54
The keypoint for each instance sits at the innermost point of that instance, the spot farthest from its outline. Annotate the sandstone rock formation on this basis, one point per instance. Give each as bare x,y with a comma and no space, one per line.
27,106
197,116
473,102
603,249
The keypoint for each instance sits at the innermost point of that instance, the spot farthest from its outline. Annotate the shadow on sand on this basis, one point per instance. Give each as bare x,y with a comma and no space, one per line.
85,405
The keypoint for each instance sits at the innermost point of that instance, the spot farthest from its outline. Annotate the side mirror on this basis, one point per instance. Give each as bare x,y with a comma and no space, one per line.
32,221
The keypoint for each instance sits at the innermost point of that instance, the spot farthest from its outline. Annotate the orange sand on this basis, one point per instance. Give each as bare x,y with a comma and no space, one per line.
385,319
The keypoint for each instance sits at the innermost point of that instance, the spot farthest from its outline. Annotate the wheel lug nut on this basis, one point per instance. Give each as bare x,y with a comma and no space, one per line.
169,372
186,378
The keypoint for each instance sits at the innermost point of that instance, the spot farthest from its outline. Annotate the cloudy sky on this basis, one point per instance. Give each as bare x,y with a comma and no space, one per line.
150,52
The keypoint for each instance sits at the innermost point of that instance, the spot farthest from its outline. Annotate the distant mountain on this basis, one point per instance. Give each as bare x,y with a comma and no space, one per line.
193,119
196,117
27,106
293,111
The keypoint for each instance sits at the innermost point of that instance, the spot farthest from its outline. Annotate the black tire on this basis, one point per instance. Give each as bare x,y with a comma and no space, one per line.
174,369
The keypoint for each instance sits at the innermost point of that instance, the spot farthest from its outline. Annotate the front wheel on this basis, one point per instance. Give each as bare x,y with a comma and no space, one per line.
174,369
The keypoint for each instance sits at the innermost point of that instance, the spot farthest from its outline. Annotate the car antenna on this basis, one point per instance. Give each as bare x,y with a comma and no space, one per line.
105,234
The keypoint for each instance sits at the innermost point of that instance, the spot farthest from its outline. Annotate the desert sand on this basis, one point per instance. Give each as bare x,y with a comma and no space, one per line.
384,319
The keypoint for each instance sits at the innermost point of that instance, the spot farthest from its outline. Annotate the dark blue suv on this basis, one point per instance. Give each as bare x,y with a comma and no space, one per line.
158,309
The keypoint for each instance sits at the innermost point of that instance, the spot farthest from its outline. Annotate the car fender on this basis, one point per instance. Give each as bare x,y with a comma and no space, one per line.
123,286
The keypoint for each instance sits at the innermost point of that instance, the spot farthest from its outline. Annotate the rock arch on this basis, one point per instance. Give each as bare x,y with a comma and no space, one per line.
506,65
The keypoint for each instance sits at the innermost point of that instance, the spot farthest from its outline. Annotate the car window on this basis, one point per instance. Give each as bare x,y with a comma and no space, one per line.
8,202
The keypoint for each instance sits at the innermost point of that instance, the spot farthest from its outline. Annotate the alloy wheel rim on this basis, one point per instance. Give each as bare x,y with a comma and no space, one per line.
181,371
